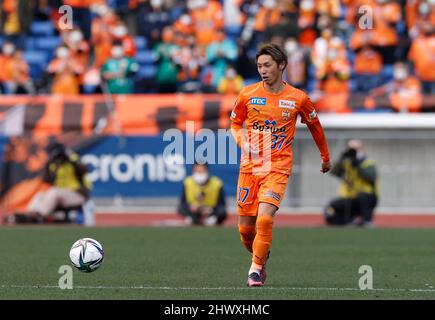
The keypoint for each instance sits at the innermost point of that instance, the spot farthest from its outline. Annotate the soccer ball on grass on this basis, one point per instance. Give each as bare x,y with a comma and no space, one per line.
86,254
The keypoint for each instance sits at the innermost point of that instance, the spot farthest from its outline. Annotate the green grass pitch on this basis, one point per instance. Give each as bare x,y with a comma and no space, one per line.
211,263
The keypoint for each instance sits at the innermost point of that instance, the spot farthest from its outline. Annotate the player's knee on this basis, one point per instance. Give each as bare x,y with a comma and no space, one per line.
247,233
264,224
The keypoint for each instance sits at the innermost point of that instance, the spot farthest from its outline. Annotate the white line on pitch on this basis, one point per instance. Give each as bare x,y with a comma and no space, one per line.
217,288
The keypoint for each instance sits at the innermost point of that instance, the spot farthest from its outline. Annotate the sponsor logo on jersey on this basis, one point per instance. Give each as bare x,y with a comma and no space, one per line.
270,121
258,101
285,115
269,125
313,114
233,114
287,104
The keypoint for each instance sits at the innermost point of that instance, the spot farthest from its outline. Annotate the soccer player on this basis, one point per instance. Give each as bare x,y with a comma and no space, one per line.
269,109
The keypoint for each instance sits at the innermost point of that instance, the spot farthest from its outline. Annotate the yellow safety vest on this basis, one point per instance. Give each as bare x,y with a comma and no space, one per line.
356,183
66,177
210,190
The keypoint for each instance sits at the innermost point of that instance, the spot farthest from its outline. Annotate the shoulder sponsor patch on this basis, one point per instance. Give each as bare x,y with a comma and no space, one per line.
258,101
313,114
287,104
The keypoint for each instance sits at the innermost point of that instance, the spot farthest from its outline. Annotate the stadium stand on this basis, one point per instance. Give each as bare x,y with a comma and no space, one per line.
328,35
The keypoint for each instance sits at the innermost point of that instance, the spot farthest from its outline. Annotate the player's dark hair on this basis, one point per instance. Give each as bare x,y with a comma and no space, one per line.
275,51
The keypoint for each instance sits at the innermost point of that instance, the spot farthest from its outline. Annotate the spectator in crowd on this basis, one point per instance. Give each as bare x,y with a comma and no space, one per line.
102,38
307,22
68,187
120,34
118,72
203,198
268,14
166,77
331,64
296,72
219,54
231,83
82,15
286,27
189,61
65,72
422,55
153,18
208,19
368,64
420,16
404,91
6,65
358,192
20,82
386,16
78,47
15,19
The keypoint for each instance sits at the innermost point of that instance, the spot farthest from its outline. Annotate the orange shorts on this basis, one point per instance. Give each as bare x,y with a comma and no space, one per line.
253,189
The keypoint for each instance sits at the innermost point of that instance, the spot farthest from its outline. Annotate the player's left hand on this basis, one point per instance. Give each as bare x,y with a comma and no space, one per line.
326,166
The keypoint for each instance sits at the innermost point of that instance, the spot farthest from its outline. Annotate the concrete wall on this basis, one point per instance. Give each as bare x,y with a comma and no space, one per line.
405,160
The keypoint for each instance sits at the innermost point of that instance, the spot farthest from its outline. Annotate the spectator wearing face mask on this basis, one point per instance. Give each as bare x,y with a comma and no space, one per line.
77,45
65,73
82,15
120,33
231,83
307,21
202,199
403,92
368,64
118,71
296,71
21,82
268,14
166,77
422,55
420,16
219,54
102,38
7,65
208,19
153,18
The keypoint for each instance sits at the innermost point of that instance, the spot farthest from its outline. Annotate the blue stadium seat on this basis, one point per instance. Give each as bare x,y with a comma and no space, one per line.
47,43
141,43
387,73
37,61
146,57
146,72
42,28
29,45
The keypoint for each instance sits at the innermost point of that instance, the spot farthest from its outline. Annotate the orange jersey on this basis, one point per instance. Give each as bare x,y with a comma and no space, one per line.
271,126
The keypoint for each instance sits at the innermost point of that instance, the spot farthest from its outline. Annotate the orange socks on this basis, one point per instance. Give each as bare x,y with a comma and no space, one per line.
247,235
263,239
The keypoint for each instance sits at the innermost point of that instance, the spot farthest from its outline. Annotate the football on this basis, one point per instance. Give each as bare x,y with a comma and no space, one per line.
86,254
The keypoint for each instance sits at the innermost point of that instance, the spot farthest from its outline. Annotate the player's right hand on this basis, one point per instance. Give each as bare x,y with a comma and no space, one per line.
326,166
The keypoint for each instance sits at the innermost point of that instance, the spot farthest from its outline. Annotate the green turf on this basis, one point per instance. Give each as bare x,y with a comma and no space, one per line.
203,263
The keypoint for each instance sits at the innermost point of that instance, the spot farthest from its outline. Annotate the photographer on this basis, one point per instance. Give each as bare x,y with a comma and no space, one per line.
202,199
358,192
69,187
